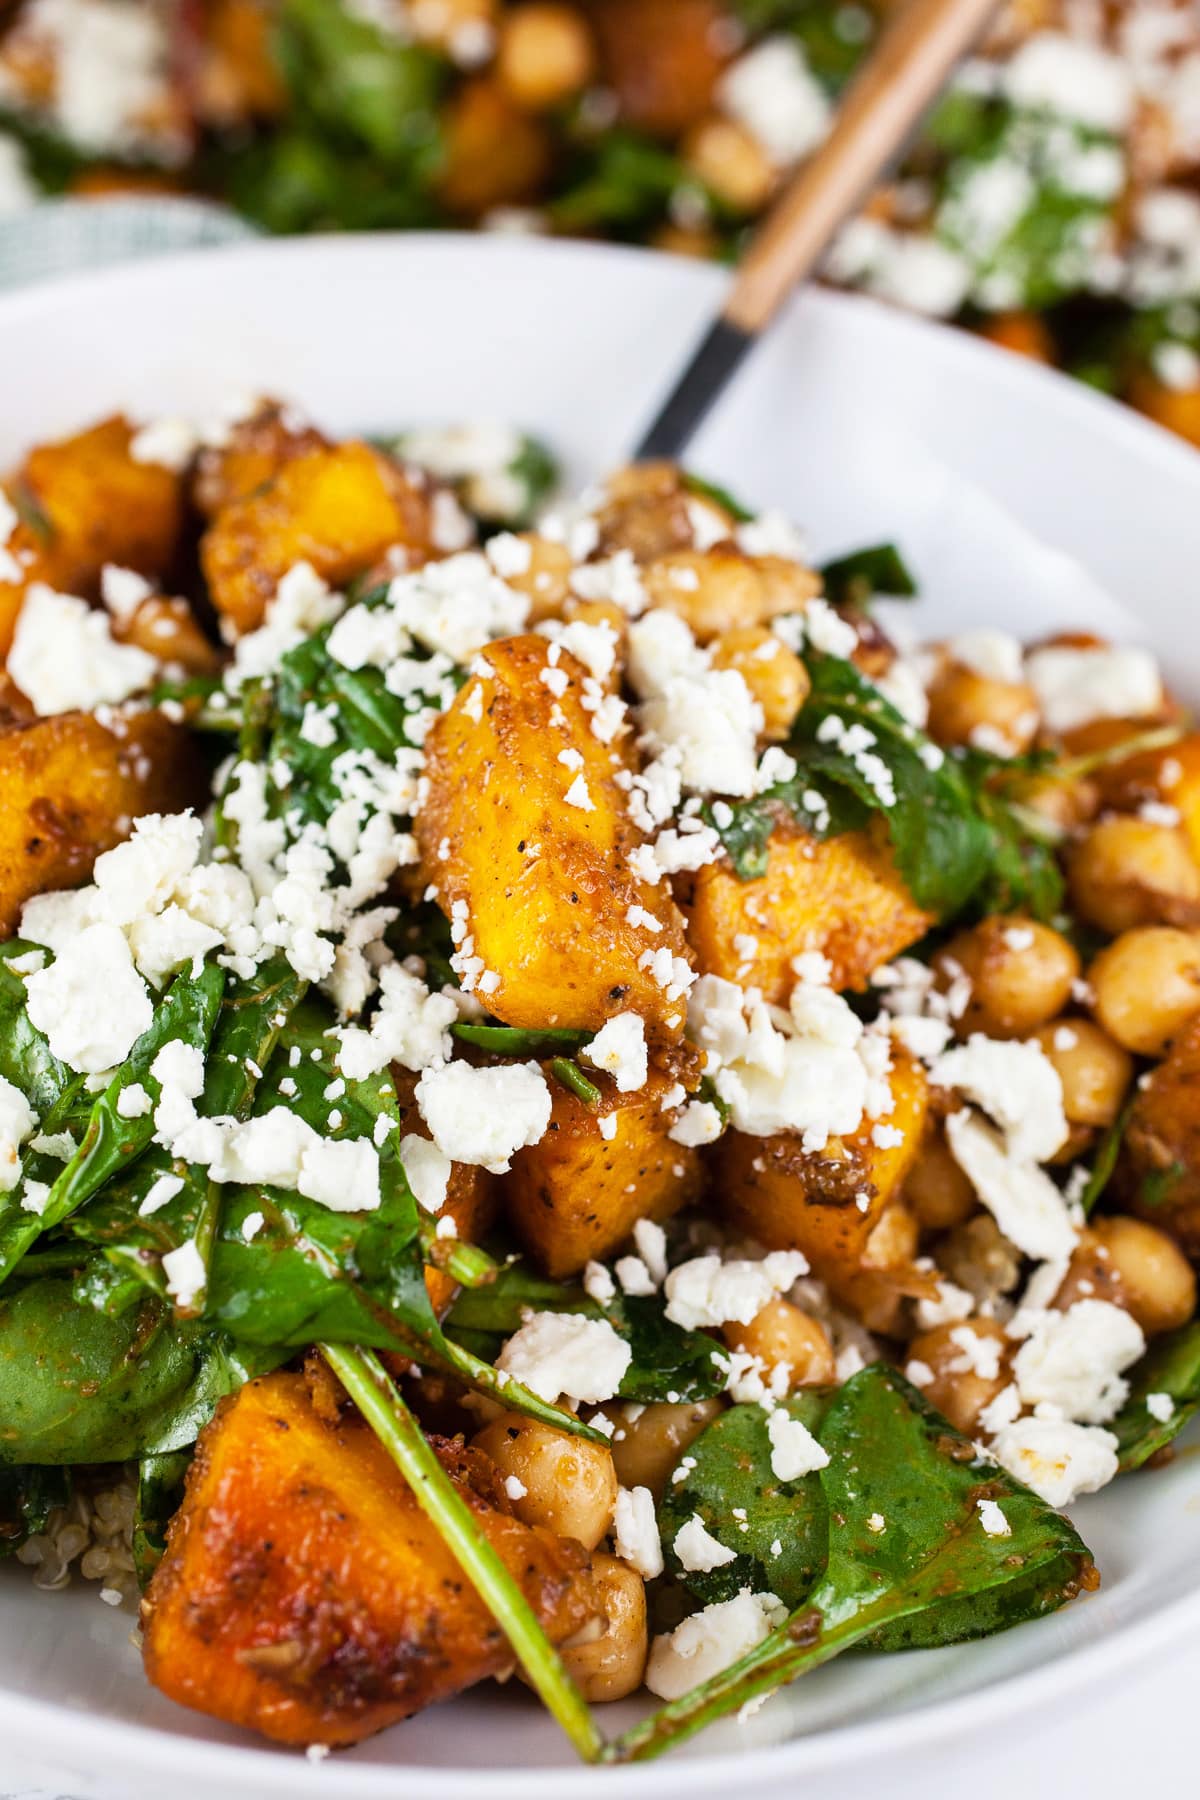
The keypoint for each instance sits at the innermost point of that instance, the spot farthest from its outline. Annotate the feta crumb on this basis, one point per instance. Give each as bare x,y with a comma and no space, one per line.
598,1284
1160,1407
794,1449
1075,686
991,1517
428,1170
91,1003
1021,1197
484,1116
651,1241
1017,1084
698,1123
697,1550
566,1354
160,1191
708,1292
1072,1361
17,1122
635,1532
252,1224
64,657
1057,1459
619,1048
710,1641
185,1273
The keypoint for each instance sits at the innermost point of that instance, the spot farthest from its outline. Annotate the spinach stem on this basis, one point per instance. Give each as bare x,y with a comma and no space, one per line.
466,1263
572,1076
375,1394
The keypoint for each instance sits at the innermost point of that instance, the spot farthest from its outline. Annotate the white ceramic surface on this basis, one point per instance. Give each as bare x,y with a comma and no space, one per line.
861,424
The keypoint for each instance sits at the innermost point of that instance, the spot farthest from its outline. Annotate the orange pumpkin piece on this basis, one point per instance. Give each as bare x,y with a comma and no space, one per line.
338,507
304,1594
72,788
841,896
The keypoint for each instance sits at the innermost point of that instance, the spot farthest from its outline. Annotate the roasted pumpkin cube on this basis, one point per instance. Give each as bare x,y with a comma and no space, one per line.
526,836
1159,1170
577,1194
840,895
72,788
252,455
661,59
303,1592
825,1203
84,502
337,507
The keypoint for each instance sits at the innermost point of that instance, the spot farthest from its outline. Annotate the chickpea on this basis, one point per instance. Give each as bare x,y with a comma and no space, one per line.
966,1377
968,708
545,55
685,240
609,1664
936,1189
782,1335
1129,871
1095,1072
651,1440
894,1241
1067,804
570,1484
494,155
787,587
714,590
730,162
456,26
168,630
1020,972
773,673
547,580
1134,1265
1146,986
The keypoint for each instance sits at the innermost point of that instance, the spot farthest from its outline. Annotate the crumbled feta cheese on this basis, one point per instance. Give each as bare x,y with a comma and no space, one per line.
598,1284
772,92
17,1122
160,1191
708,1292
991,1517
64,657
1070,1365
427,1169
619,1048
91,1003
697,1550
1057,1459
1160,1407
635,1532
1075,686
342,1174
699,1123
712,723
566,1354
1024,1202
996,655
651,1241
185,1273
1071,78
794,1449
484,1116
710,1641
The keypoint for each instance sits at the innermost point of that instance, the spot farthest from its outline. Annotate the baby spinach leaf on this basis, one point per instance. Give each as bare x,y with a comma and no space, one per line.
858,577
26,1059
780,1529
253,1014
1172,1367
1105,1160
720,496
80,1386
906,1539
939,839
160,1482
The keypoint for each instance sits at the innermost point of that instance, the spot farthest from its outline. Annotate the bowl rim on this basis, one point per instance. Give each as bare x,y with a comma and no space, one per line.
34,1724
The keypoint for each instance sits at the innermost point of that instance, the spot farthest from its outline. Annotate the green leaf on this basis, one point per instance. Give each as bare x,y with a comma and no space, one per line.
1171,1366
625,180
28,1495
858,577
938,837
720,496
159,1496
1105,1160
361,83
780,1529
81,1386
26,1059
908,1561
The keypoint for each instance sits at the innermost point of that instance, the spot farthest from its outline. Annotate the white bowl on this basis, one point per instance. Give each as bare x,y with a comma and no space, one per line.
861,424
